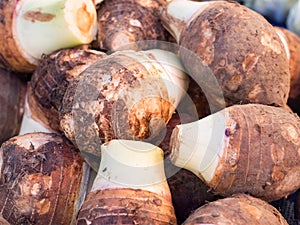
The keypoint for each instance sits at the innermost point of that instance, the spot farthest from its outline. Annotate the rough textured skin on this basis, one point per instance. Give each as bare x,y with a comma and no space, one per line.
51,79
10,55
123,22
126,206
241,49
239,209
263,156
40,178
293,42
117,98
12,98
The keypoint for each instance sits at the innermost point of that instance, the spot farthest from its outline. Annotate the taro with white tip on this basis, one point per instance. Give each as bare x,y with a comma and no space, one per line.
31,28
250,148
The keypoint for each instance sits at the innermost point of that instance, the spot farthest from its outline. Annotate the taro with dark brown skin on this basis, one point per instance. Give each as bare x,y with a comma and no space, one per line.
43,180
51,78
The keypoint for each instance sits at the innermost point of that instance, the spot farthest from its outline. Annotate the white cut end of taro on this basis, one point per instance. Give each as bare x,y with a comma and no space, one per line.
198,146
167,66
41,27
131,164
184,11
29,125
173,73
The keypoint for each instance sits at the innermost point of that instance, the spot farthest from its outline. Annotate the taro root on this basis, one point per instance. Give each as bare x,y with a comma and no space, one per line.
127,95
31,28
231,51
130,187
51,79
292,43
122,23
251,148
12,98
238,209
43,180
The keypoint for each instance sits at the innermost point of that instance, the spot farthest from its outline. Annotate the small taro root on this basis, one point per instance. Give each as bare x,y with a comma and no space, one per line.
121,23
239,209
249,148
224,46
127,95
130,187
51,79
12,99
31,28
292,43
43,180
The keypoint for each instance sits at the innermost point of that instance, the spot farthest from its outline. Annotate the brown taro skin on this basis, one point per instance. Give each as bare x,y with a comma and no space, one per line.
40,178
239,209
124,22
117,98
243,52
10,55
12,98
126,206
293,41
51,78
262,157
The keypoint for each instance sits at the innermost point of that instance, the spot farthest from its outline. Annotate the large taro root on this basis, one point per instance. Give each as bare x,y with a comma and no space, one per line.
250,148
231,51
127,95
